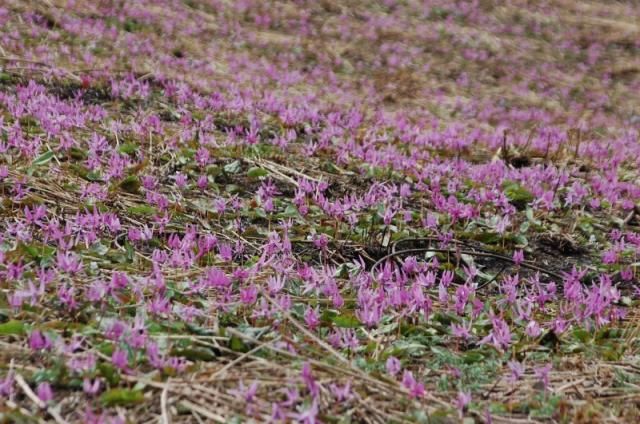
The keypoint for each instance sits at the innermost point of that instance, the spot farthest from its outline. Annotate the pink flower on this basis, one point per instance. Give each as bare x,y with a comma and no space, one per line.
39,341
69,263
500,335
202,156
517,370
311,317
462,401
249,295
310,381
44,392
202,182
393,365
341,393
610,257
91,388
518,257
543,374
461,331
309,415
416,389
533,329
248,394
216,278
119,359
119,281
321,242
149,182
181,180
6,385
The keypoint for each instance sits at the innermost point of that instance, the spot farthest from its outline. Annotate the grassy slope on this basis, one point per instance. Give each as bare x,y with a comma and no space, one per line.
443,71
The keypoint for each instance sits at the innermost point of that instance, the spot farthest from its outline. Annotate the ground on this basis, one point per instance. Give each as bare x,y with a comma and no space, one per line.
318,211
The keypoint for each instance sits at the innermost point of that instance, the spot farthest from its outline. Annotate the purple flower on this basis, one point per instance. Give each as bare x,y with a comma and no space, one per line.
119,359
461,331
181,180
248,394
311,317
249,295
369,313
149,182
321,241
89,387
225,251
44,392
533,329
216,278
309,380
543,374
202,156
462,401
39,341
309,415
393,365
517,370
610,257
6,385
518,257
69,263
416,389
341,393
500,335
447,278
202,182
119,281
275,284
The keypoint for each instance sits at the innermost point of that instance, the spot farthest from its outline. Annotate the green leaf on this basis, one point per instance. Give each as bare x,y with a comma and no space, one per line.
517,194
142,210
442,352
233,167
38,252
530,217
54,373
13,327
581,335
237,345
472,357
127,148
94,176
130,251
77,153
487,237
131,184
346,321
612,353
196,354
131,25
255,172
213,170
121,397
233,188
290,212
99,249
43,158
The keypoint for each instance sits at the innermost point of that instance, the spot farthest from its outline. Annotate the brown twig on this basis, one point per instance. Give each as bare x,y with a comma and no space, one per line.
464,252
36,400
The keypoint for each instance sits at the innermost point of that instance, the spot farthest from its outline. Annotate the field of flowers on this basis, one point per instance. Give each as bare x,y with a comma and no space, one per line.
311,211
